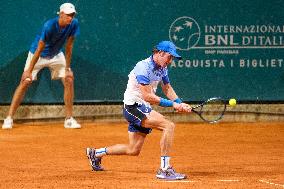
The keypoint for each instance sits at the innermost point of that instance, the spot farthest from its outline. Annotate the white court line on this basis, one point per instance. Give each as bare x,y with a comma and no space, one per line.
178,181
232,180
271,183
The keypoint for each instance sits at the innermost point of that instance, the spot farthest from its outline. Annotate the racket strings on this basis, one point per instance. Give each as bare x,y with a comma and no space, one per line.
212,110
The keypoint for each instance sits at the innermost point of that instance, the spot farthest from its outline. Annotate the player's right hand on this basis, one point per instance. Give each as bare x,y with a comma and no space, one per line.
182,107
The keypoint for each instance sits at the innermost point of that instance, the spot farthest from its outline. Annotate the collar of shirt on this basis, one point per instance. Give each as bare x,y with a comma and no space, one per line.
61,30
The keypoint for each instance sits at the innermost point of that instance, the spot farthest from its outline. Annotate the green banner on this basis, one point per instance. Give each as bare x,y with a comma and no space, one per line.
229,48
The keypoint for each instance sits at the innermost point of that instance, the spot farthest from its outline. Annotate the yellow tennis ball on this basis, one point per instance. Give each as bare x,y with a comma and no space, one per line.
232,102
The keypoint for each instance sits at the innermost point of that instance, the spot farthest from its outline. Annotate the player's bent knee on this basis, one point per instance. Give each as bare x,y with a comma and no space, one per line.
68,80
134,152
170,126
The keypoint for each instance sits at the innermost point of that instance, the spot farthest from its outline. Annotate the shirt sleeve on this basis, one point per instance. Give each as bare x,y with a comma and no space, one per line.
141,73
45,33
75,29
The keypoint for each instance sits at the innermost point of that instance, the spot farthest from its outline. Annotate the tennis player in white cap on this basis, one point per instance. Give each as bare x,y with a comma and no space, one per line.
47,51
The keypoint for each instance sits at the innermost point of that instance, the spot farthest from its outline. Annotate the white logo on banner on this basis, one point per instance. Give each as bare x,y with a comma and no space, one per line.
184,33
230,40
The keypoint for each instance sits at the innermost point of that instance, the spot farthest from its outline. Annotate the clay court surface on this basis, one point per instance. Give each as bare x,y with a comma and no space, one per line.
224,155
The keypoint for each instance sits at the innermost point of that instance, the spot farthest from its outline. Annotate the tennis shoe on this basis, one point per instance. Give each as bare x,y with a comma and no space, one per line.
170,174
95,162
8,123
71,123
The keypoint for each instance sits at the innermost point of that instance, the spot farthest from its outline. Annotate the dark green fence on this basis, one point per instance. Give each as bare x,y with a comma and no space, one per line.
229,48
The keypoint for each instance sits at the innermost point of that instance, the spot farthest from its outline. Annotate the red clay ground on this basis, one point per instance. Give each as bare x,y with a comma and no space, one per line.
224,155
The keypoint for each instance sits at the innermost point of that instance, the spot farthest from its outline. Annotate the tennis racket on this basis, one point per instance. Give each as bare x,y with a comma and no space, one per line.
211,110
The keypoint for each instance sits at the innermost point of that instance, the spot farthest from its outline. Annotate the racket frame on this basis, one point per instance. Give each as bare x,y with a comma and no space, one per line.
199,113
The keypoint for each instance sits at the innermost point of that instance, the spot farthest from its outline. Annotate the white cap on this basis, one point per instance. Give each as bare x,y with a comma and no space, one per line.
67,8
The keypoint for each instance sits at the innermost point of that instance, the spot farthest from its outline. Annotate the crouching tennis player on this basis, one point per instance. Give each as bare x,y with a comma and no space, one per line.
140,93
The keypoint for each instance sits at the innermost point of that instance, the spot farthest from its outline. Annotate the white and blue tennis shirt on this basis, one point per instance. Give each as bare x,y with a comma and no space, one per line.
146,72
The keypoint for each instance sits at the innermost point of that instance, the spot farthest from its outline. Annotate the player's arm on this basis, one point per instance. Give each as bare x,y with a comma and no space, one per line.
28,72
68,51
152,98
171,94
148,95
36,55
169,91
69,45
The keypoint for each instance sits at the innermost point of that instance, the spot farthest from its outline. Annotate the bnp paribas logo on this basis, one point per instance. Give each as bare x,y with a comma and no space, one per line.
184,33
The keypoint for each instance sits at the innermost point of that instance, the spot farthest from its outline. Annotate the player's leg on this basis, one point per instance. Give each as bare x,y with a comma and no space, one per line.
19,93
133,148
58,71
144,119
157,121
134,114
18,96
68,82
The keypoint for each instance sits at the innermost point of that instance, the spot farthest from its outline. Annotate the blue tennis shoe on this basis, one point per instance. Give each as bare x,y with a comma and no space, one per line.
94,161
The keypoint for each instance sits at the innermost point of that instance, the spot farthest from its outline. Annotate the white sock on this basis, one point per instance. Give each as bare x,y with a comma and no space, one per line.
165,162
100,152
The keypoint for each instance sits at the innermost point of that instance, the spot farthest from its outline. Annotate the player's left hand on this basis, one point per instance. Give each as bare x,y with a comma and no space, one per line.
26,76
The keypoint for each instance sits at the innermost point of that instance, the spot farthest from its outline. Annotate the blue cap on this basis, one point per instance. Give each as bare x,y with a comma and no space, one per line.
168,46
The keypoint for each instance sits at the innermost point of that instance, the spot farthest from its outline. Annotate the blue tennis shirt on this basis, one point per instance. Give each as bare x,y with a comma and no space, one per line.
54,36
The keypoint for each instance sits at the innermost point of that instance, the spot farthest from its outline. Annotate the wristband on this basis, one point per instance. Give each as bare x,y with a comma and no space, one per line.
178,100
166,103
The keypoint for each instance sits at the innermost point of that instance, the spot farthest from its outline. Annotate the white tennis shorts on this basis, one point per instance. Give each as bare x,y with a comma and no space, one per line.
56,65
